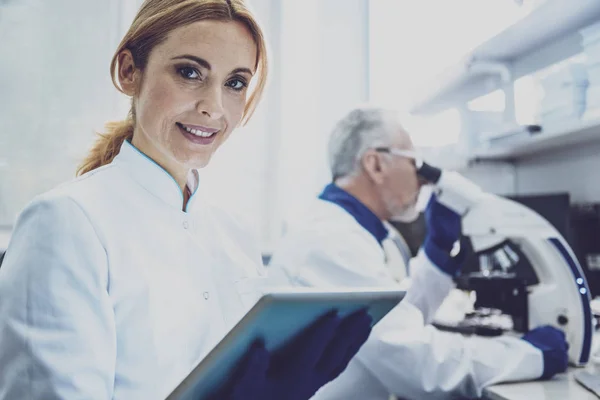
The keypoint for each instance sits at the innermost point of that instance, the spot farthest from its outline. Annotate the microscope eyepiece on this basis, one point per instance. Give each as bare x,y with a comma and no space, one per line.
429,173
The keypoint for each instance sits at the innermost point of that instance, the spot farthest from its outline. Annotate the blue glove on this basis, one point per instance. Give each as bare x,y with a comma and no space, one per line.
443,230
310,361
554,347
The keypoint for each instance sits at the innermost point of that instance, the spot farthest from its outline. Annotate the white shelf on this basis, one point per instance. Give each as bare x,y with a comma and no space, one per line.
552,20
553,138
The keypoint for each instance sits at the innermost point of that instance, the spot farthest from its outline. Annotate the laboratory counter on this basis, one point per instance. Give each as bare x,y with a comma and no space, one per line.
561,387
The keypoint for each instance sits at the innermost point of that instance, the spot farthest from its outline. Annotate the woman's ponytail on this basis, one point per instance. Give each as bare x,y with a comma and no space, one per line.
107,145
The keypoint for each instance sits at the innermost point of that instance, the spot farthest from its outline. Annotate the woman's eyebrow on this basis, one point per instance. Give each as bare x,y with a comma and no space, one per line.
242,71
205,64
200,61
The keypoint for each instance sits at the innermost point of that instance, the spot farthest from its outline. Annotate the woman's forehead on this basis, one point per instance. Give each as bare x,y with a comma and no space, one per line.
226,43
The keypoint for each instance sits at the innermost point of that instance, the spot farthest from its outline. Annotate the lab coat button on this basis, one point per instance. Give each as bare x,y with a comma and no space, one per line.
186,225
206,295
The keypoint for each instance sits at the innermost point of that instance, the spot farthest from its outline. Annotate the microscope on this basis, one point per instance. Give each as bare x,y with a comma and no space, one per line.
505,234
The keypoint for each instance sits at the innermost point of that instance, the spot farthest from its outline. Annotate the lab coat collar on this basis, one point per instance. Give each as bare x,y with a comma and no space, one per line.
154,178
361,213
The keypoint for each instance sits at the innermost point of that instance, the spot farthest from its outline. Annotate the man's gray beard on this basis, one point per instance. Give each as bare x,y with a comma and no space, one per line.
407,215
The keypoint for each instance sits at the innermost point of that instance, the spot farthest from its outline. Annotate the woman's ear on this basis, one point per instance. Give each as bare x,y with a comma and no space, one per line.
371,163
127,73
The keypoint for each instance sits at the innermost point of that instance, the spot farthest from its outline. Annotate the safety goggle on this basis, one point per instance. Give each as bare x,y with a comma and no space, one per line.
413,155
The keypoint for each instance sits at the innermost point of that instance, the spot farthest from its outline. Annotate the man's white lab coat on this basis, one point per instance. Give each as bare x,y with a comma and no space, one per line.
110,291
326,247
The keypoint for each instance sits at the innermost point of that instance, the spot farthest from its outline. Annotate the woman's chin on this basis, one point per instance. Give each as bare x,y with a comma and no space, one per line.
188,160
194,164
199,163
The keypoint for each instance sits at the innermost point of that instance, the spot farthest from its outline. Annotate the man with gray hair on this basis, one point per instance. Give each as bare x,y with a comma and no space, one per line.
340,242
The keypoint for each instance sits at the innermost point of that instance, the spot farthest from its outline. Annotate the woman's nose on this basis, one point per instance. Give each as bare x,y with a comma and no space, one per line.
211,105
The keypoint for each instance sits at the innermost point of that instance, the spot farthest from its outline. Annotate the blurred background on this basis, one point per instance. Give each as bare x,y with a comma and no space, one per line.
471,78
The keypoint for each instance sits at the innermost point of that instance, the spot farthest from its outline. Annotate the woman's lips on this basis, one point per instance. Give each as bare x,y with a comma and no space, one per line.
198,128
198,136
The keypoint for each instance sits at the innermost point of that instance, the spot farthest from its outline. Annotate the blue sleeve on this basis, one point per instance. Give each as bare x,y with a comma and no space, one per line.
57,330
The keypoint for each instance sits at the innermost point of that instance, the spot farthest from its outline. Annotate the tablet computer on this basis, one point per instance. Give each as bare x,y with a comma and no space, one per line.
276,319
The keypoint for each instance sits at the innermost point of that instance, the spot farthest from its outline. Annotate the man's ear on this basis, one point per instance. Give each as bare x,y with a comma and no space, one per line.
127,74
371,163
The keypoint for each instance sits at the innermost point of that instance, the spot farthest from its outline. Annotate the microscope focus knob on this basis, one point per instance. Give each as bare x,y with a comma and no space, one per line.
562,320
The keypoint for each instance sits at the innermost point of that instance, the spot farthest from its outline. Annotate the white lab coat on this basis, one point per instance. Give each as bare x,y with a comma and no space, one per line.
404,355
110,291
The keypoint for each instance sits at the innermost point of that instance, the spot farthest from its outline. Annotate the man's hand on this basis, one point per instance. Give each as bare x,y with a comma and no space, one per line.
443,230
554,348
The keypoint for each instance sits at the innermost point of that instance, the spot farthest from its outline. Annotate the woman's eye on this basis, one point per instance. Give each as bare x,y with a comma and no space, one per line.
189,73
236,84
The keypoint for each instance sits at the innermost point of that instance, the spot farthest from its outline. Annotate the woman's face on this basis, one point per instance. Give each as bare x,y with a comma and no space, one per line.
193,93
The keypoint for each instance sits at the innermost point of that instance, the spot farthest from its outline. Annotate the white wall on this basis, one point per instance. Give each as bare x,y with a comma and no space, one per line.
55,91
574,170
493,177
324,70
